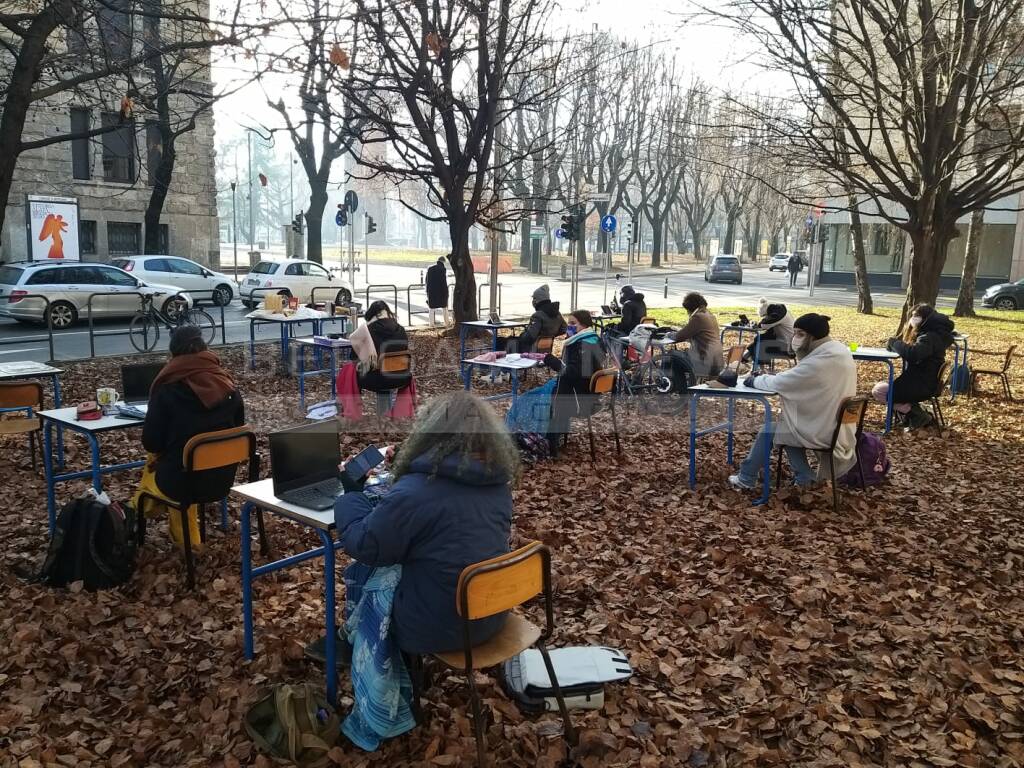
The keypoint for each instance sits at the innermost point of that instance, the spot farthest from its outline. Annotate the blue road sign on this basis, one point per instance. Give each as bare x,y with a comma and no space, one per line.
559,233
608,223
337,218
810,220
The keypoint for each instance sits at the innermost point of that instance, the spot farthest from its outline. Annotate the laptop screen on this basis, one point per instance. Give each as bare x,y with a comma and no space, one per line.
304,456
137,380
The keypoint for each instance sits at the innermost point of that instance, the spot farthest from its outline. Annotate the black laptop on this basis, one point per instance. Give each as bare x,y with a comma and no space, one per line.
304,464
136,382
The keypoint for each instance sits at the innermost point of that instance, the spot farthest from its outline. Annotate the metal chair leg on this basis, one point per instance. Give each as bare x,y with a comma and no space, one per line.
264,541
478,720
186,537
570,732
32,449
835,486
615,426
590,434
778,471
1006,387
202,522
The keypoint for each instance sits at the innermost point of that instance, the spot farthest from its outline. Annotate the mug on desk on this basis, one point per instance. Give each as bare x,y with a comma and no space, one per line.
106,398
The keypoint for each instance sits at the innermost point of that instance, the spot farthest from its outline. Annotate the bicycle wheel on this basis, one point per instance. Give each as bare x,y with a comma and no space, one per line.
144,332
203,322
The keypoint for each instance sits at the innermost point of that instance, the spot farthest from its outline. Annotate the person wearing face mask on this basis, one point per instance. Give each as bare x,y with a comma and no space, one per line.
923,347
704,357
583,355
546,321
810,393
776,322
634,308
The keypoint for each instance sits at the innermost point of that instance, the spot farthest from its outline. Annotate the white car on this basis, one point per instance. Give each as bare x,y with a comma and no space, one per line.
779,261
68,286
206,285
293,277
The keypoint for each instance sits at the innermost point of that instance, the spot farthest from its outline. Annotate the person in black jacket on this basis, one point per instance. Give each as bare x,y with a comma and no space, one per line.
545,322
191,395
583,355
795,265
437,291
923,349
633,311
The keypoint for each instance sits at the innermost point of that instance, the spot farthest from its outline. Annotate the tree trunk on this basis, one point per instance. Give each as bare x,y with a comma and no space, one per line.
525,242
931,242
464,294
698,235
18,98
581,245
864,303
315,222
730,234
161,186
657,236
968,280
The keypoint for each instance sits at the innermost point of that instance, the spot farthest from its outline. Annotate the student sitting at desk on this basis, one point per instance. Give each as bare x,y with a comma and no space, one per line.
450,505
776,335
381,333
191,395
583,355
545,322
633,311
704,357
923,348
811,391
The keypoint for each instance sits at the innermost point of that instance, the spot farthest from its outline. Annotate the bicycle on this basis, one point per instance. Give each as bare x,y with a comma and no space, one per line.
144,329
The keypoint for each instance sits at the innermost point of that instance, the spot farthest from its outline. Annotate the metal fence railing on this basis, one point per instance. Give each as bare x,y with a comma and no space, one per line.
480,299
94,333
388,286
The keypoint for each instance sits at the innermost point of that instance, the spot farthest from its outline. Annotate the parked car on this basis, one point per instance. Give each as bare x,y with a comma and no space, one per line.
206,285
68,286
1004,296
294,277
724,267
779,261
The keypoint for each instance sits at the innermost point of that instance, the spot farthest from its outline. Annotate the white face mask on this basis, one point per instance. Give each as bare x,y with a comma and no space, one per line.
916,321
799,339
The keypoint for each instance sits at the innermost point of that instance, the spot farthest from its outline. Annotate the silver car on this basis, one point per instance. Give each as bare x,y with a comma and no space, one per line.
723,267
68,286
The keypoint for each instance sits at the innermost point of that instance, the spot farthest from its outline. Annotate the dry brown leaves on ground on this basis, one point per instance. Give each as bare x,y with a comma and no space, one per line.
889,634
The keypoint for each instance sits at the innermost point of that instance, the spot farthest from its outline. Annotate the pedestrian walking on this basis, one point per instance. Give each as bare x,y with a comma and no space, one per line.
437,291
795,265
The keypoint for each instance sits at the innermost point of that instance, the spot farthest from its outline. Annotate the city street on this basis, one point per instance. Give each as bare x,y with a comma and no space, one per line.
516,289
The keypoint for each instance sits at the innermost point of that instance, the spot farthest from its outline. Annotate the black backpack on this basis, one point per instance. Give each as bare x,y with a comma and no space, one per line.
94,543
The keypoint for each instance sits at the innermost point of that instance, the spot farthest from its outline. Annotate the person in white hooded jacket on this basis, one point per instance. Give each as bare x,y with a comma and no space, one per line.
810,392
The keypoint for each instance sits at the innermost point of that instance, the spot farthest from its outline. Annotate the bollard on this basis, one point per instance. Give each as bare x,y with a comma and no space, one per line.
666,287
563,271
421,277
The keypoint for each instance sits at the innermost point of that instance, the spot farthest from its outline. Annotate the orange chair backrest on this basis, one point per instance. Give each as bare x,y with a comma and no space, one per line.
735,354
21,394
545,344
603,382
501,583
224,448
648,320
399,362
851,408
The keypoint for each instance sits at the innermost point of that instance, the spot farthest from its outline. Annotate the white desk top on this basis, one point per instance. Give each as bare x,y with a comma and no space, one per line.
17,368
499,324
738,391
874,353
261,493
66,416
521,364
309,342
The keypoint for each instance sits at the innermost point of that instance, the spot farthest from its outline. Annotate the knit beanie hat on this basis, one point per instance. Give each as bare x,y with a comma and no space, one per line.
814,324
541,294
762,307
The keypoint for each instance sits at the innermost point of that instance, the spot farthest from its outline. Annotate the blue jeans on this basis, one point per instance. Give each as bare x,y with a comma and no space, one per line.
762,450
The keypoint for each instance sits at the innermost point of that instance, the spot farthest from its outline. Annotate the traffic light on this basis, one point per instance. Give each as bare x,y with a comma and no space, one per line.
627,230
371,225
342,217
570,227
297,224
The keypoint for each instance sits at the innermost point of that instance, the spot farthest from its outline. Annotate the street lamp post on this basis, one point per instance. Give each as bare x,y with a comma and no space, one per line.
234,225
252,219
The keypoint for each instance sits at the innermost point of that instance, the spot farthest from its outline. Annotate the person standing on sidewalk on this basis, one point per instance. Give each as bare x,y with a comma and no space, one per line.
437,291
795,265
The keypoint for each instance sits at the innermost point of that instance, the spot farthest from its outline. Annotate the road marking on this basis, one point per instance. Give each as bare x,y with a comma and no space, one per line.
19,351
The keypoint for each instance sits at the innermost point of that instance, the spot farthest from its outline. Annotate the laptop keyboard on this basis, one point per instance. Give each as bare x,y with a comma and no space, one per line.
320,496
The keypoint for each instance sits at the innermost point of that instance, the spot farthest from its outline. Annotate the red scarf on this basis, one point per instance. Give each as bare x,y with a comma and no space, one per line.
202,372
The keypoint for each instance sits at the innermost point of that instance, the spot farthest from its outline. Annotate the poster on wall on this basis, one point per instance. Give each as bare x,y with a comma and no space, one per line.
52,228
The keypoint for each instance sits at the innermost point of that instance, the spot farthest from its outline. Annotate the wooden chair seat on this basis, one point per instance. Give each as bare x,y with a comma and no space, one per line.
20,426
987,371
516,636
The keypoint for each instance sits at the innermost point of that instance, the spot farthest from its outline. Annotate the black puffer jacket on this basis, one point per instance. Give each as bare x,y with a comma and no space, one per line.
388,336
923,359
546,321
633,311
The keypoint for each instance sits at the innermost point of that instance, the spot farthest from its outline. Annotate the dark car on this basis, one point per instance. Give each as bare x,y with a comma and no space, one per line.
1004,296
724,267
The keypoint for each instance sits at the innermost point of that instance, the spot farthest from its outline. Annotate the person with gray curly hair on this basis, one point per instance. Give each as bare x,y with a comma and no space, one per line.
450,506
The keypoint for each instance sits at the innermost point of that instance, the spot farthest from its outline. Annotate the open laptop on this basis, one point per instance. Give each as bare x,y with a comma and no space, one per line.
304,465
606,309
136,381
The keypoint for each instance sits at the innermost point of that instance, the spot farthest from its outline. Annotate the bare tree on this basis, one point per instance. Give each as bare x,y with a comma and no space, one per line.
891,97
699,191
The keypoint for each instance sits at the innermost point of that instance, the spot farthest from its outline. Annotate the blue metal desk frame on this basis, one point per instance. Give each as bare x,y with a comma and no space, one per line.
732,395
249,572
301,374
742,329
287,331
868,357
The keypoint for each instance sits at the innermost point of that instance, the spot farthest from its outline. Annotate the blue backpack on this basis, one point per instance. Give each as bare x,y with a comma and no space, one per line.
873,461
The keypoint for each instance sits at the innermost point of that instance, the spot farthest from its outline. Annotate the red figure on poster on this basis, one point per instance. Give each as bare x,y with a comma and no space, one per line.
54,226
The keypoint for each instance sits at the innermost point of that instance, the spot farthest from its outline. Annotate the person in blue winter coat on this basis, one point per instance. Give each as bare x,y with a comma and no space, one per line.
450,506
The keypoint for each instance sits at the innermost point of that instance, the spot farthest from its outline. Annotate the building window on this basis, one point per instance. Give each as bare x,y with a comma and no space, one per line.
118,149
87,237
123,239
80,147
154,150
115,23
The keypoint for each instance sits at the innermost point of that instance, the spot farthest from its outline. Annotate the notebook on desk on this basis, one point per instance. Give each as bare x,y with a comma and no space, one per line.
304,465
